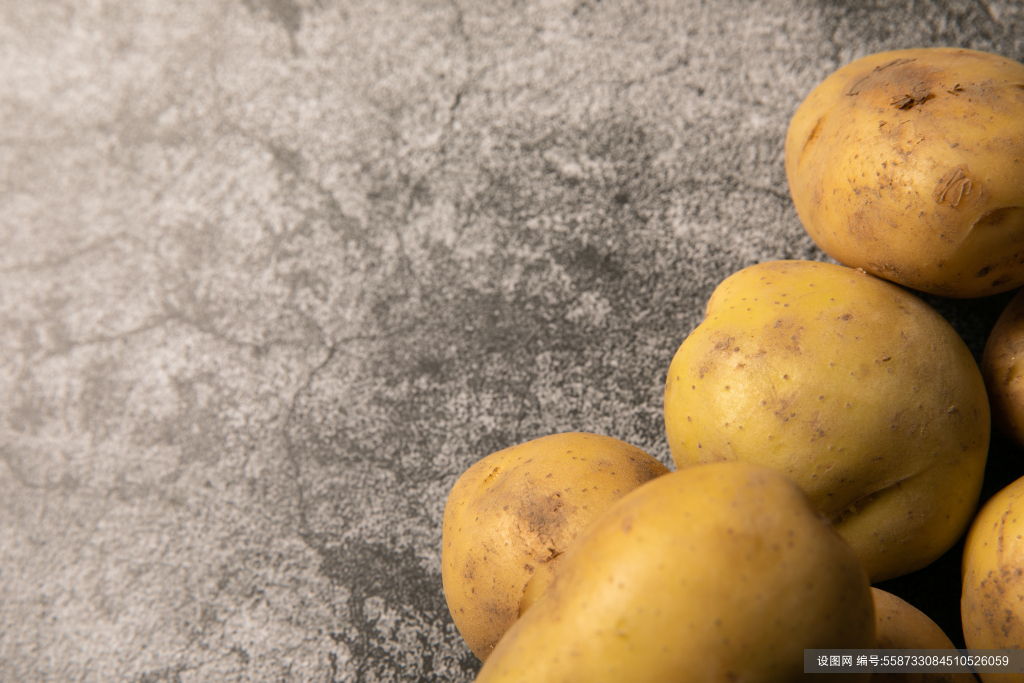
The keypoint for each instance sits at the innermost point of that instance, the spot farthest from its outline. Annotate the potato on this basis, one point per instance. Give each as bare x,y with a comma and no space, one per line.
992,601
511,515
1003,371
901,626
717,573
910,165
853,387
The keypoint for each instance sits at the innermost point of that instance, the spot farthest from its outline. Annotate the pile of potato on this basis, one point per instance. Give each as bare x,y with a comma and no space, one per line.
829,428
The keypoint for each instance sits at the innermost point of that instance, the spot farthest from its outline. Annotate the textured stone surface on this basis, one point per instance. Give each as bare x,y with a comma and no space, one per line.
273,273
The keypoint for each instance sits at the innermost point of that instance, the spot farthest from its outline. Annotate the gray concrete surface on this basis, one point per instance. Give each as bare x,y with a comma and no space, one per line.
273,273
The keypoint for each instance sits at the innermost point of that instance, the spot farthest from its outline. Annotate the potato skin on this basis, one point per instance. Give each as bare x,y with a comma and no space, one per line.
510,516
901,626
855,388
717,573
1003,373
992,601
910,165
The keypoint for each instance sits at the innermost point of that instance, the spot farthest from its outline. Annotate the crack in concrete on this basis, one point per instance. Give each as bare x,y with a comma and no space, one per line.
60,260
305,530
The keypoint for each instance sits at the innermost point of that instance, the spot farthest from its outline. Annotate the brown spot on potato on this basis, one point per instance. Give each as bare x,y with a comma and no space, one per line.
724,345
918,94
952,187
542,523
494,473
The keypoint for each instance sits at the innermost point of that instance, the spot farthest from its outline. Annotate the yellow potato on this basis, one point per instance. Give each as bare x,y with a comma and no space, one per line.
901,626
992,601
511,515
718,573
910,165
1003,371
856,389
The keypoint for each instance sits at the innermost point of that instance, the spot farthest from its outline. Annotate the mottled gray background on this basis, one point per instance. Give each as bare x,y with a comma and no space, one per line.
273,273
